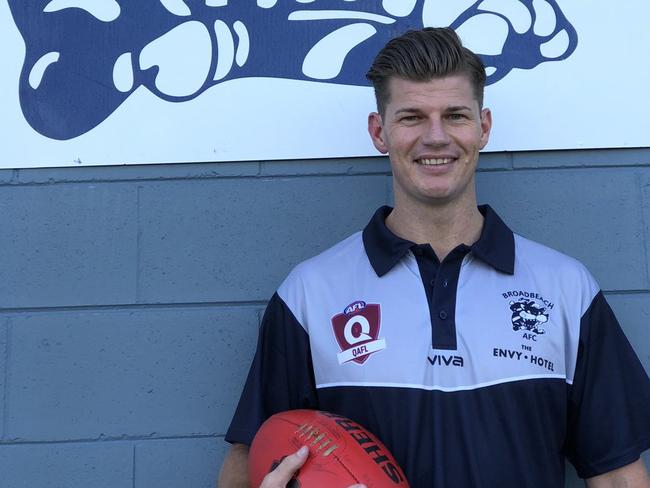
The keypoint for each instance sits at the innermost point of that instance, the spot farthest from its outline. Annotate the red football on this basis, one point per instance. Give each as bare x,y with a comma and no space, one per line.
341,452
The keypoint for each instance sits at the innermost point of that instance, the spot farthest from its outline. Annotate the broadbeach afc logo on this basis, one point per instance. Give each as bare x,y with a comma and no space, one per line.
530,311
357,332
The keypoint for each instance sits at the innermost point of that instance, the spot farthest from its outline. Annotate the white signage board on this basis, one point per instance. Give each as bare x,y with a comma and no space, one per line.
114,82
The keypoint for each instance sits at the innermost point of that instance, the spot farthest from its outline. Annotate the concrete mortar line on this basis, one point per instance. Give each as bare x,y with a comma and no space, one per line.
578,167
133,472
123,307
109,440
645,218
260,316
5,386
163,179
626,292
138,236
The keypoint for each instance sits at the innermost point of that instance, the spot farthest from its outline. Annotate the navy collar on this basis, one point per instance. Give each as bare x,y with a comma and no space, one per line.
496,246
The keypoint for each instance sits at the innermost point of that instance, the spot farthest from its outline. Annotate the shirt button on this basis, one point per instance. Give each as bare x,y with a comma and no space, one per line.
442,315
445,284
432,282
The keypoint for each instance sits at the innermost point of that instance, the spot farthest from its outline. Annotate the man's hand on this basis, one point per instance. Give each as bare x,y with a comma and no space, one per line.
280,476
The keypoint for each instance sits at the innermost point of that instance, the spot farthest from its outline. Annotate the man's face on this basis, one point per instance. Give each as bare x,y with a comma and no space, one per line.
433,132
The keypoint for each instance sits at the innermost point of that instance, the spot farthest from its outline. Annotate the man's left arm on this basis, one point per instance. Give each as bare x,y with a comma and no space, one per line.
633,475
608,421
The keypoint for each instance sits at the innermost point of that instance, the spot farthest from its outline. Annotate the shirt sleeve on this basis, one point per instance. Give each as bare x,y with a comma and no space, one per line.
609,400
281,375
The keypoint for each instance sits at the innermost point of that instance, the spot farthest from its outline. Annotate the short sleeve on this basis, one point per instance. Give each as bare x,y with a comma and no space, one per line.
281,374
609,400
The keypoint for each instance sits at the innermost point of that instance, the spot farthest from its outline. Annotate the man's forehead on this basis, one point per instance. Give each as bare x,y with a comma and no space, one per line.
446,108
458,80
447,92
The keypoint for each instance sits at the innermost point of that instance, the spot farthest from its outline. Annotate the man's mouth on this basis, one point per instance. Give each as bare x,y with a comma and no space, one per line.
434,161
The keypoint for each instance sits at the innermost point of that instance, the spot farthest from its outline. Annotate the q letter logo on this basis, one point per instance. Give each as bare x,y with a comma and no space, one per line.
357,332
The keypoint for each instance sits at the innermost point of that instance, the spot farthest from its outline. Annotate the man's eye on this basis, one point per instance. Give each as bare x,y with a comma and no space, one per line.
410,118
456,116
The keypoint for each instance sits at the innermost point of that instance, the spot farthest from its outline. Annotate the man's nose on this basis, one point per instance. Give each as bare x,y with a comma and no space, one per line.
435,133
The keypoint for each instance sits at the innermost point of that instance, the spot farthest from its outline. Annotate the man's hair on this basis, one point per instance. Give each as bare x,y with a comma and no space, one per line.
422,55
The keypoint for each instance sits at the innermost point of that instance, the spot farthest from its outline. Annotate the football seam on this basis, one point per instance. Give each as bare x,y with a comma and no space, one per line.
335,456
346,468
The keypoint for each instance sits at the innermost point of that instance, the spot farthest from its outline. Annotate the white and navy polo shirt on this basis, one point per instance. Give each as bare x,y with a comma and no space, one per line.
484,370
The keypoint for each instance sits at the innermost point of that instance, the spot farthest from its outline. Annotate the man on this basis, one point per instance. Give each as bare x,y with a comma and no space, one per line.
480,358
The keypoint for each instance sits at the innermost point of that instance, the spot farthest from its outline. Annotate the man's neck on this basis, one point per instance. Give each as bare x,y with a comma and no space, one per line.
444,227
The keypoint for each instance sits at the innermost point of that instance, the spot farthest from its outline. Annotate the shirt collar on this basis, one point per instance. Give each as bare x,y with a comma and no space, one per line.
496,245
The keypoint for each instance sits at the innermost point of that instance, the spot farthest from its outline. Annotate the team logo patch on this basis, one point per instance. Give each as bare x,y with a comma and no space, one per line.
530,311
357,332
527,315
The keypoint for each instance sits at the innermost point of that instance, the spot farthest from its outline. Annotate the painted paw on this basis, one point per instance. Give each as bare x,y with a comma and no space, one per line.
443,13
182,57
538,25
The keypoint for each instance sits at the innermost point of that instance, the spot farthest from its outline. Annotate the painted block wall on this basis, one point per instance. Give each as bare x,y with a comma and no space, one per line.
131,296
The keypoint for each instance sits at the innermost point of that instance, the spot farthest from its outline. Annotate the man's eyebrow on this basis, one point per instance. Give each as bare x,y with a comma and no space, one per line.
409,110
453,108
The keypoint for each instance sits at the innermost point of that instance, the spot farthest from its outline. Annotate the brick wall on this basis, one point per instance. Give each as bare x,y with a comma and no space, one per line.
130,296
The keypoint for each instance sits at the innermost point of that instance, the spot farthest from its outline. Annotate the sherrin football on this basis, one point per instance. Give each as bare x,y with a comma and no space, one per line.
341,452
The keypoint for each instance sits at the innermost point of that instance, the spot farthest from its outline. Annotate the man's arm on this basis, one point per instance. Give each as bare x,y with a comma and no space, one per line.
234,472
633,475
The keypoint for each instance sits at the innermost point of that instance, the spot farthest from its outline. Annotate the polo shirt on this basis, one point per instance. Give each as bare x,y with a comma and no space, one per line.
486,369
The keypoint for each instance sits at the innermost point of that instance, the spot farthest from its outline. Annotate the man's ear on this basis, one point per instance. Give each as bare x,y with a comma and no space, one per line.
486,126
376,131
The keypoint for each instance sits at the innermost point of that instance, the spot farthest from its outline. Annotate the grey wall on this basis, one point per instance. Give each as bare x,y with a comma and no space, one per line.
130,296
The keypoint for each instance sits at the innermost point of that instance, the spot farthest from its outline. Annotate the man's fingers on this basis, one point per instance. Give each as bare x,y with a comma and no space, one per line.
291,464
280,476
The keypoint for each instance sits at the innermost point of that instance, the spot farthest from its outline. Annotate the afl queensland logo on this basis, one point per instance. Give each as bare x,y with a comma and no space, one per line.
357,332
530,311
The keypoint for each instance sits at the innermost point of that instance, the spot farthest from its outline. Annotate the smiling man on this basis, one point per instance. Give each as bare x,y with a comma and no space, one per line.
479,357
433,131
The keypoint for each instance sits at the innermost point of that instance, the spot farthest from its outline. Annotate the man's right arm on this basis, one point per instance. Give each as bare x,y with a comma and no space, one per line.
234,471
280,378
